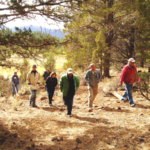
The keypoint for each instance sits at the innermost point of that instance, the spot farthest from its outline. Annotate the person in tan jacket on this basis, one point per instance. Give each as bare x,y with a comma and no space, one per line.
33,79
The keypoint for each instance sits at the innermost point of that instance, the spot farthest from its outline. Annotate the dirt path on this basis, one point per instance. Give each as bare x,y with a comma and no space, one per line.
111,126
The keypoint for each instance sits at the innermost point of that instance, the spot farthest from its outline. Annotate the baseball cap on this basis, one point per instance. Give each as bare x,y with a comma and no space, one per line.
92,64
70,71
131,59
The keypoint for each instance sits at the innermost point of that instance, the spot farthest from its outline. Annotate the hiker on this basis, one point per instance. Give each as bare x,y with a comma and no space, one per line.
69,83
129,75
46,74
92,78
51,83
33,79
15,83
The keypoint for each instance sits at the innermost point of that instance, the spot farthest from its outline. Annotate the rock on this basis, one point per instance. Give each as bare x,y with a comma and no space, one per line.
90,110
54,139
43,98
15,135
28,148
141,114
141,140
33,145
78,140
61,138
119,108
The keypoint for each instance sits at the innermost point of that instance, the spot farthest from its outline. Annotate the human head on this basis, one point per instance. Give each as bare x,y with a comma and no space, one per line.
131,62
15,73
70,72
34,67
53,74
92,66
47,69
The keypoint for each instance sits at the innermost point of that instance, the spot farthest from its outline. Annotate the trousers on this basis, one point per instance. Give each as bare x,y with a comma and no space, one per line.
92,94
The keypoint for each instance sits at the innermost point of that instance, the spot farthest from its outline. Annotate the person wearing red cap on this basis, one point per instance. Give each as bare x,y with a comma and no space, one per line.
129,75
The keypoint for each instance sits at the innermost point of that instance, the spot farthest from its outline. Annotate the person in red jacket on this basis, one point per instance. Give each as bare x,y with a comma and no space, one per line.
129,75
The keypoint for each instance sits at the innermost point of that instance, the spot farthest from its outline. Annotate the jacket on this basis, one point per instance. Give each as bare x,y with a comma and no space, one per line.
129,75
64,84
46,74
51,83
15,80
89,74
33,80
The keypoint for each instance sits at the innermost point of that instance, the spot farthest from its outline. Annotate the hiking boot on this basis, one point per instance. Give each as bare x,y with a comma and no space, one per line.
90,110
50,105
132,105
69,115
34,106
122,100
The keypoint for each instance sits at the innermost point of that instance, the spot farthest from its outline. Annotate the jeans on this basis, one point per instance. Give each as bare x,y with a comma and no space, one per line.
68,101
128,92
13,89
92,94
50,93
32,97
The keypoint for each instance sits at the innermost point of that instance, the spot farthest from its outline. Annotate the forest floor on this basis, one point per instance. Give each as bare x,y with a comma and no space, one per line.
113,125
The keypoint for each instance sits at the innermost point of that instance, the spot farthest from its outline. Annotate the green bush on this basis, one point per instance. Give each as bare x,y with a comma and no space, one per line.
50,61
25,67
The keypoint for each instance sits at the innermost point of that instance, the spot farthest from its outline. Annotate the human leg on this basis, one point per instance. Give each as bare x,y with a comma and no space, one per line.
95,91
32,98
50,95
70,104
90,100
129,93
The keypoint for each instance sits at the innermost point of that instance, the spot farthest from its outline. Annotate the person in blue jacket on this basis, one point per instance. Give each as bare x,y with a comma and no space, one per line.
15,83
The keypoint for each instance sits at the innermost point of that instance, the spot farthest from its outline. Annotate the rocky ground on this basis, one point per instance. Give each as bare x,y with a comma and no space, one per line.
112,125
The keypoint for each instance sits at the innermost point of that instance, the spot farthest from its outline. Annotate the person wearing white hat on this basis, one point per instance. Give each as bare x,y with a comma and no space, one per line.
129,75
92,78
69,83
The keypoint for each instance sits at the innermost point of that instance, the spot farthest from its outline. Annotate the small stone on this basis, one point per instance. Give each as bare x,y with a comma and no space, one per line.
15,135
33,145
61,138
141,114
141,140
43,98
14,123
78,98
119,108
28,148
78,140
30,139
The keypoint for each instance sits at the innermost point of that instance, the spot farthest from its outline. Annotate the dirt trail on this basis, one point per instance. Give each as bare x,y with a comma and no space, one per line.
111,126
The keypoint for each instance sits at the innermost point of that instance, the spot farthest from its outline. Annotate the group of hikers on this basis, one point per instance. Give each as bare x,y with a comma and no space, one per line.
69,83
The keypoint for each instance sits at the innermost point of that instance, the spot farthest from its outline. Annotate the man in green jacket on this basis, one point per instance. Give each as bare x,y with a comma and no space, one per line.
69,83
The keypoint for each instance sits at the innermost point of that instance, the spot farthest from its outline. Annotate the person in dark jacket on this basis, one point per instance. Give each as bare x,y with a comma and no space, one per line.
46,74
15,83
51,83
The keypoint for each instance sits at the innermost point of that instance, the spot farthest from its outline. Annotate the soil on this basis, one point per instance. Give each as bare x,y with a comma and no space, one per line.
112,125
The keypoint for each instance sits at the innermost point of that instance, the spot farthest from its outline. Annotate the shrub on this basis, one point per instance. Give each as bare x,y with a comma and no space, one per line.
50,61
25,67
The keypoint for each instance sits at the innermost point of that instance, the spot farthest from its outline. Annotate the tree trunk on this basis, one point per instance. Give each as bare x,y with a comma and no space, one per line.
131,42
109,36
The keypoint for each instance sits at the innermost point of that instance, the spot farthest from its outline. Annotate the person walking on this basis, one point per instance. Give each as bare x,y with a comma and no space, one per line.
92,78
51,83
33,79
15,83
129,75
46,74
69,83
